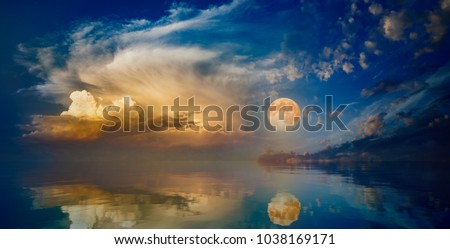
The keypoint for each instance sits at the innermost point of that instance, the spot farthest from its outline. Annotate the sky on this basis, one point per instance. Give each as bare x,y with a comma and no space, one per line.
62,63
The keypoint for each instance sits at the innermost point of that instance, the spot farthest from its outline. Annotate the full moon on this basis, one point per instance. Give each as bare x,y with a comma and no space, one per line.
285,114
284,209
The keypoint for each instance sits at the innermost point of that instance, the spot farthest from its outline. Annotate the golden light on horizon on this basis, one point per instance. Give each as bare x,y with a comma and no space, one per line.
286,113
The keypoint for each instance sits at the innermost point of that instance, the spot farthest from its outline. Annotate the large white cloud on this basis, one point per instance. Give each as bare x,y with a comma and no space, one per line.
84,105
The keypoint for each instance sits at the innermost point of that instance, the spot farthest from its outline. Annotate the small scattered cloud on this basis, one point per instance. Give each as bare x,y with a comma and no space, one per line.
435,27
353,8
393,25
345,45
374,124
292,73
422,51
445,5
274,76
413,36
375,9
370,45
378,52
323,70
438,120
327,51
362,60
347,67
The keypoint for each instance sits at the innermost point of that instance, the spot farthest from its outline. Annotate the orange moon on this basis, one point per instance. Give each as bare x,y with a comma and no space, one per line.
284,209
286,113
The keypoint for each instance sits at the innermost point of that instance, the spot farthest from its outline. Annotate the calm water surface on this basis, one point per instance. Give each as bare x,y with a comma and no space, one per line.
225,195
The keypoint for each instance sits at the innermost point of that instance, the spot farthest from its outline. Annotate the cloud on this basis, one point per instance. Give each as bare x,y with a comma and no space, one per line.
422,51
327,51
390,86
393,25
435,27
83,105
63,128
353,8
292,73
438,120
370,45
445,5
98,63
362,61
413,36
274,76
398,101
374,124
324,70
375,9
347,67
345,45
142,60
303,64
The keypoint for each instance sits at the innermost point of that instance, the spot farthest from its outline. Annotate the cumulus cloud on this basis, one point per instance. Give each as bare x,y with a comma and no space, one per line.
374,124
393,25
375,9
83,105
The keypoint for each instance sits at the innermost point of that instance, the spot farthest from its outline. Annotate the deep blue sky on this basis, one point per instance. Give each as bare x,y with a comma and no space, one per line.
388,59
